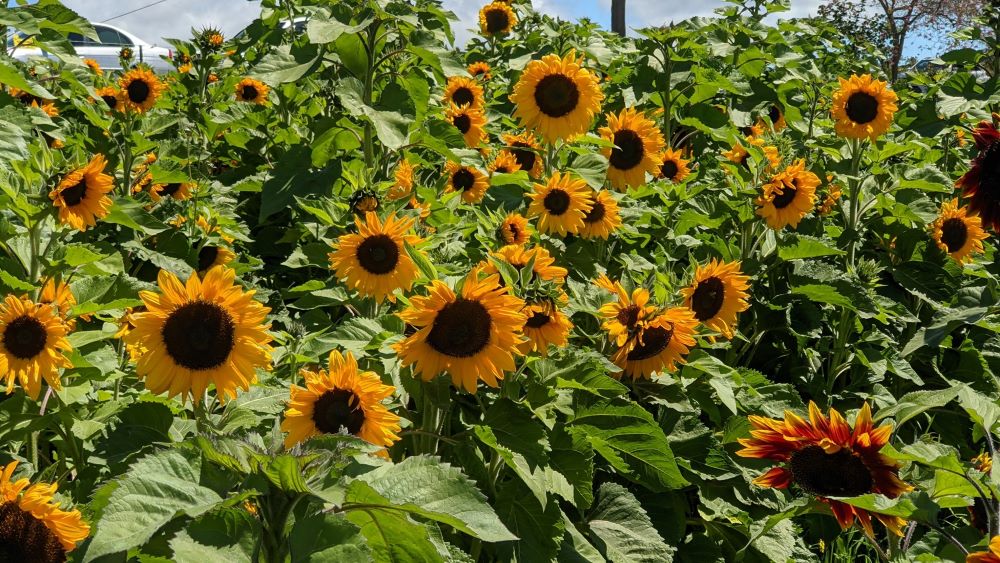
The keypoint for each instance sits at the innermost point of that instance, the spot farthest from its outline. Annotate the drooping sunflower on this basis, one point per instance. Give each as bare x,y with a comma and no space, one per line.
174,190
468,180
515,230
981,184
624,316
81,196
33,527
58,295
374,261
32,344
543,268
717,294
959,234
403,181
603,218
991,556
788,197
546,325
863,107
470,122
777,118
140,89
826,457
480,69
462,91
740,155
211,255
94,66
343,398
659,344
504,163
637,147
252,91
363,201
556,97
525,148
209,331
472,336
673,166
560,204
496,18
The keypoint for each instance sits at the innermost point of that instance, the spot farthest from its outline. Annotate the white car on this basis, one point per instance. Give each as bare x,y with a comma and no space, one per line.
105,51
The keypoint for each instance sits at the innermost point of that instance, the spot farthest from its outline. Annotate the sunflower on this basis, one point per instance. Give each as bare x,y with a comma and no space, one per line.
514,230
33,527
375,261
344,398
624,316
210,256
956,232
47,106
561,204
525,148
739,154
637,147
504,163
991,556
981,184
480,69
59,296
32,344
658,345
462,91
833,193
140,89
470,122
403,177
496,18
472,336
826,457
603,218
209,331
862,107
364,201
81,196
252,91
466,179
546,325
717,294
543,268
424,207
556,97
94,66
175,190
788,197
777,118
673,166
983,463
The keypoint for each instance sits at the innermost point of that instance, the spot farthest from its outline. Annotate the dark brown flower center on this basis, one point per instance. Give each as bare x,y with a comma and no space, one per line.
463,122
199,335
138,91
628,316
25,337
537,320
463,179
169,189
497,21
461,329
525,158
954,234
785,198
654,340
841,474
774,113
338,409
249,92
207,256
112,101
669,169
556,95
73,195
24,538
862,108
463,97
596,213
708,297
628,151
378,254
556,202
989,176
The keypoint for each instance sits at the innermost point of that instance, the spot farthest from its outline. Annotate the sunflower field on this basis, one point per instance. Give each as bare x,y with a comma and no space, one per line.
338,289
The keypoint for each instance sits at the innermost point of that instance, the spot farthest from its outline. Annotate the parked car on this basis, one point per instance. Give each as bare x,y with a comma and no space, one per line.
105,50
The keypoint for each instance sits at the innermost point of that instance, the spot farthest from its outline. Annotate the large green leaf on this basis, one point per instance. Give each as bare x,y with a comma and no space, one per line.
540,529
391,535
327,538
622,531
226,535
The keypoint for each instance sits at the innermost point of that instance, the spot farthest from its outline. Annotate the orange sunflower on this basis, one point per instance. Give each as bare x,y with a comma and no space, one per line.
658,344
82,195
827,458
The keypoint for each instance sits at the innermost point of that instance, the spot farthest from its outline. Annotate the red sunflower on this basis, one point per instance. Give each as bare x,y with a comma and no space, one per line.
981,184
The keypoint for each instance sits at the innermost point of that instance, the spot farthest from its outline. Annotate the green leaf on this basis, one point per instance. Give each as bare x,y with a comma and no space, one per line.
823,293
392,537
916,402
797,247
226,535
540,529
425,266
622,531
154,491
517,429
626,436
282,66
131,214
327,538
982,409
592,167
284,472
944,323
431,489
